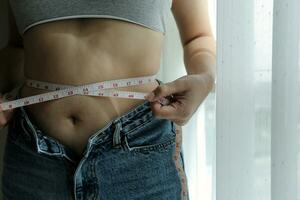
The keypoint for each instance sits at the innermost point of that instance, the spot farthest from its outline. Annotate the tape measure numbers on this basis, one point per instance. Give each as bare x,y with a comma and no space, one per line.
105,89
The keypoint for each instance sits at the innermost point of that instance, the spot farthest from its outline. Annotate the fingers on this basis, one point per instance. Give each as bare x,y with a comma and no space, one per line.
2,121
1,101
173,112
5,116
177,110
165,90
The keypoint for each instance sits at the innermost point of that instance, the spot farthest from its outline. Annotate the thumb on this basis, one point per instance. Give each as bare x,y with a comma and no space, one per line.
167,89
161,91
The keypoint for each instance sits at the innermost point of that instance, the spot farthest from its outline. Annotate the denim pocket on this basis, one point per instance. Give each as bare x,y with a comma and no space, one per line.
157,134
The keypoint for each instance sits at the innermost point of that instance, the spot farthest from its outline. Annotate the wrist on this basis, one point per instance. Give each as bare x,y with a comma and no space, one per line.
206,79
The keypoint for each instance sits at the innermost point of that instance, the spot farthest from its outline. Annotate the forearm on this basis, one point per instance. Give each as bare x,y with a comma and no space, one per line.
11,67
200,58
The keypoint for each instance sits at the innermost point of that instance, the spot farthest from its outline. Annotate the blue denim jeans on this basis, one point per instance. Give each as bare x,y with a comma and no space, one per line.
132,158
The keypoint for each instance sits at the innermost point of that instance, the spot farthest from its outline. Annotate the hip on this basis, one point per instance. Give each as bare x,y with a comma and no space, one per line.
148,149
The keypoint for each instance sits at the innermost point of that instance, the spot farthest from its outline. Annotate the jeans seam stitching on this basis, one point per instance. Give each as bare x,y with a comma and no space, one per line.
151,147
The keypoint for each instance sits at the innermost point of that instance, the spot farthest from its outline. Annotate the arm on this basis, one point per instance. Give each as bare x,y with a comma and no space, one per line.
197,39
189,91
11,56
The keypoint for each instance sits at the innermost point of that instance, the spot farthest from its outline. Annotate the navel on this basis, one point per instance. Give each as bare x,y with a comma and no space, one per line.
75,120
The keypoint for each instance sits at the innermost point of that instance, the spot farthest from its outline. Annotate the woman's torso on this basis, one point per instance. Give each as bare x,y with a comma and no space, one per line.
81,51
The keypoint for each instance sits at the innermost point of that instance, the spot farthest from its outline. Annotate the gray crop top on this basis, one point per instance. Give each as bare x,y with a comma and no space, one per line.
148,13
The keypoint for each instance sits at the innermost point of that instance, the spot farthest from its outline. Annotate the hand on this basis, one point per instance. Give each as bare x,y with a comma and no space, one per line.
6,115
187,93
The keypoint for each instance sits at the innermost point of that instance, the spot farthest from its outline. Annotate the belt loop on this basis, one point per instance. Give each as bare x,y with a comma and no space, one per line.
116,135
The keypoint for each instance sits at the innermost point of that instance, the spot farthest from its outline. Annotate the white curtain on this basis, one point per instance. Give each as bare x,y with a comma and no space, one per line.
285,101
243,99
243,142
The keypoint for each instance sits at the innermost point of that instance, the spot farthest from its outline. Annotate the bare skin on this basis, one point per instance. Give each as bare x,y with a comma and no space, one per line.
84,51
81,51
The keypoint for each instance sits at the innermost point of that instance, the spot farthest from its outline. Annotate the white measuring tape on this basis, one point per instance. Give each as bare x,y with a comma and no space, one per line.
105,89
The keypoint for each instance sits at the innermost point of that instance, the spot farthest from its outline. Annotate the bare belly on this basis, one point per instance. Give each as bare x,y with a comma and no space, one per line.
81,51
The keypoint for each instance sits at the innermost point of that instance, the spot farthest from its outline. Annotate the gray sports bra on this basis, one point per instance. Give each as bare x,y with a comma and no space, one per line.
148,13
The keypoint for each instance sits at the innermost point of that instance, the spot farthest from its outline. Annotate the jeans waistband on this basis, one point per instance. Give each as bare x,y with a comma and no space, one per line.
115,129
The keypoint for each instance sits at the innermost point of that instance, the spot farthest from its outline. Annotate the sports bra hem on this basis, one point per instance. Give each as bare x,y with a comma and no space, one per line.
88,16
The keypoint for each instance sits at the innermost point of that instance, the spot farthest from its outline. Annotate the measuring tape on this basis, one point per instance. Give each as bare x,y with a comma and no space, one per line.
105,89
